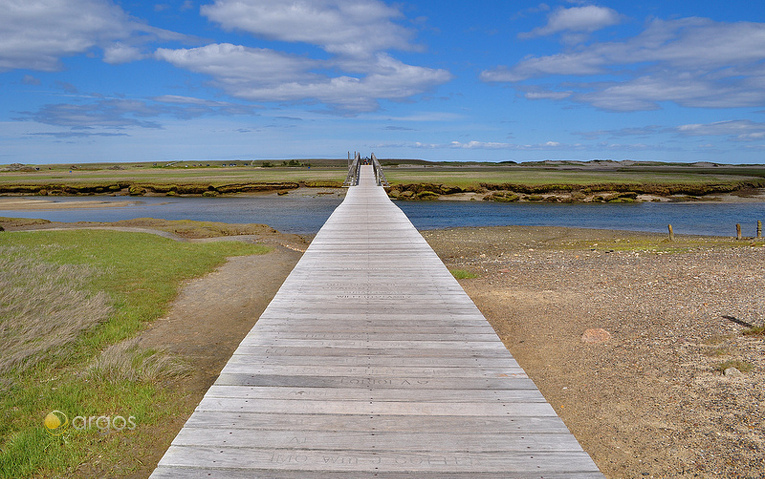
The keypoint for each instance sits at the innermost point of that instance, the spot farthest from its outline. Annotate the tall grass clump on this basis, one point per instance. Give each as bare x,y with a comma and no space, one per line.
44,306
127,361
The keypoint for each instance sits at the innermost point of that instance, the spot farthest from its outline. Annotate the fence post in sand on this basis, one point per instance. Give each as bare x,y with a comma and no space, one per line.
759,229
738,231
671,233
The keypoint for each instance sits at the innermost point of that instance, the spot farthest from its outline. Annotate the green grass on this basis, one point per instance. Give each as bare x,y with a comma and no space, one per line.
140,274
213,176
472,177
742,366
462,274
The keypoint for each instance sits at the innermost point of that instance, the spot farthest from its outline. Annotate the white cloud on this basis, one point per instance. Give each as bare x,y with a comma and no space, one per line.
547,95
491,145
36,34
740,130
356,32
484,145
121,53
236,67
585,19
693,62
345,27
267,75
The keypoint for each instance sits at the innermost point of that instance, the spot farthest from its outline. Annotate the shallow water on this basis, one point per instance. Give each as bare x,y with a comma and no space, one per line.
306,214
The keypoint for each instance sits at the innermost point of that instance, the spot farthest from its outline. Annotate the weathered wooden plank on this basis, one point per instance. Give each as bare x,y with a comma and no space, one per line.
254,422
195,473
407,395
274,380
398,408
370,461
386,441
397,335
367,326
374,371
435,362
424,351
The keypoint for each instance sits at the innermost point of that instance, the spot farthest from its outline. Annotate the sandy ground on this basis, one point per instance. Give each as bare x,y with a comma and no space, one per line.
647,401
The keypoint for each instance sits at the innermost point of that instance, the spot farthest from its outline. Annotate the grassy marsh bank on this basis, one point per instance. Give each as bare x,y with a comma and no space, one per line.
599,181
71,301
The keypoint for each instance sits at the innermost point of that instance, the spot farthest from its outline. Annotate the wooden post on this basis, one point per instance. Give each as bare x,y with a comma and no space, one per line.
671,233
738,231
759,229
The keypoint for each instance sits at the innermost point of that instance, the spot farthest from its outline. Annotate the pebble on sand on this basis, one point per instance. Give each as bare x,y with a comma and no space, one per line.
595,335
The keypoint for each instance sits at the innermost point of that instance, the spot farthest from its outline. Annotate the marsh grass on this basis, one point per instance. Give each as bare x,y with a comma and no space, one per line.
198,229
206,176
127,361
44,307
85,294
472,177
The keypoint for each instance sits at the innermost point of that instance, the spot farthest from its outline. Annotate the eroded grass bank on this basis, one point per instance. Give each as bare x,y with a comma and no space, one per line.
593,181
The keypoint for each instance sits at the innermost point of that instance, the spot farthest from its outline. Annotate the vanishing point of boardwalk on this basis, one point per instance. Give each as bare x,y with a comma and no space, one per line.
371,361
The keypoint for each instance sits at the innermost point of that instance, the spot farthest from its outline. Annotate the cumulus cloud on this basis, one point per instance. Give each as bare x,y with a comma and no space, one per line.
585,19
266,75
237,65
738,130
36,35
693,62
346,27
357,34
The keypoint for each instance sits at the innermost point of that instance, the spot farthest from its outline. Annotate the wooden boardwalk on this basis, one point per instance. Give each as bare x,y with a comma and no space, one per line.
371,361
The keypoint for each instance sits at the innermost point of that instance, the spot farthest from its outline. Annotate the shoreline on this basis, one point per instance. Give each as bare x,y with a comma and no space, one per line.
30,202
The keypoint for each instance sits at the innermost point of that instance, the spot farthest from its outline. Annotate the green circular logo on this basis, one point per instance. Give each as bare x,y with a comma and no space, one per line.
56,423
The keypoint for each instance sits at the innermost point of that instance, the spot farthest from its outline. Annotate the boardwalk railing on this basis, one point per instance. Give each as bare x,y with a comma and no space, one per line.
352,179
379,175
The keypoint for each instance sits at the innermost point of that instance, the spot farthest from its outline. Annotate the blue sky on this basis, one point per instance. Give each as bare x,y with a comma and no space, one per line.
100,80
